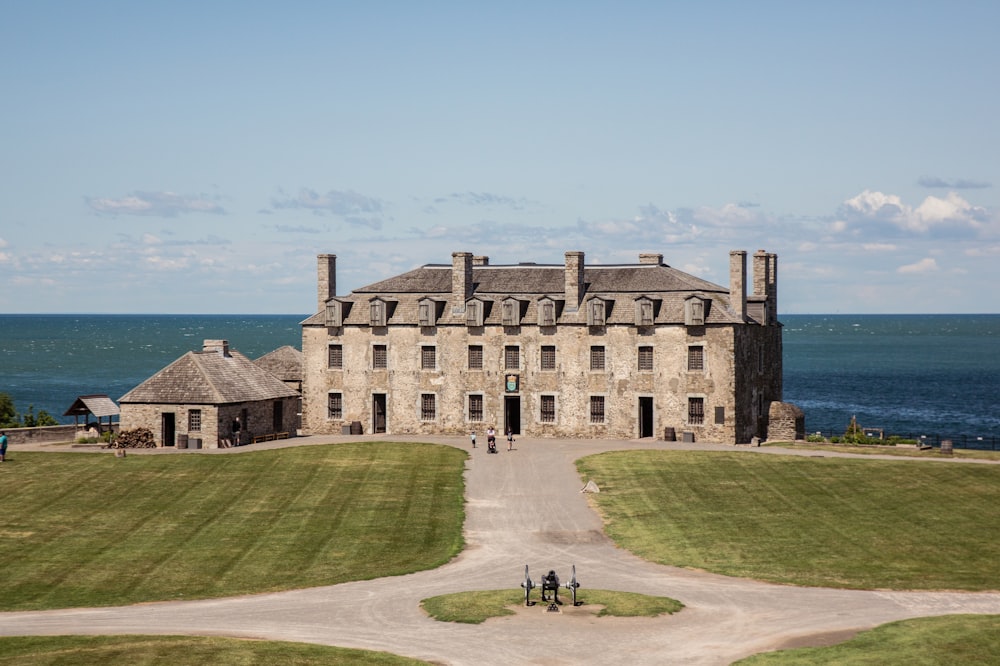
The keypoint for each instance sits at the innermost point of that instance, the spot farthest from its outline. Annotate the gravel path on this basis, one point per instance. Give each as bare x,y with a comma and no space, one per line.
525,507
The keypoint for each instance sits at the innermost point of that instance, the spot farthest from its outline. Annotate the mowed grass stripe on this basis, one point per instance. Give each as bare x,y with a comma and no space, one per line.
826,522
197,526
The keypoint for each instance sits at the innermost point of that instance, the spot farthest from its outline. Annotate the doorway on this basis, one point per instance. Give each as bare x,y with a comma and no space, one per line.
378,412
645,417
168,428
512,414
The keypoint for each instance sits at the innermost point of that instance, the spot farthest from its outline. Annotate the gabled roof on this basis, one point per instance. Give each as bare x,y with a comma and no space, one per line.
99,405
285,363
209,378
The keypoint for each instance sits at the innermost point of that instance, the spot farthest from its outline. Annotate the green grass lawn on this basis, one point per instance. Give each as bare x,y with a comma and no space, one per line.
829,522
173,650
477,607
926,641
94,530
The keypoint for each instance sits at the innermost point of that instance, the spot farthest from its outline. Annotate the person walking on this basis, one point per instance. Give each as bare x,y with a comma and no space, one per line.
510,439
473,436
491,436
3,446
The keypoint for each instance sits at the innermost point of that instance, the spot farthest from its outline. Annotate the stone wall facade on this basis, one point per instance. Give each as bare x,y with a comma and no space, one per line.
787,423
215,421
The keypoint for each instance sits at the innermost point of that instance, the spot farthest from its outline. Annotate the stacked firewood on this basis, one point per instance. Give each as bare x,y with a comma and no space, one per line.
137,438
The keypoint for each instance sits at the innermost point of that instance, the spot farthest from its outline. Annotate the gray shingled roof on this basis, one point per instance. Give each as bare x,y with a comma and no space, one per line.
209,378
285,363
618,284
99,405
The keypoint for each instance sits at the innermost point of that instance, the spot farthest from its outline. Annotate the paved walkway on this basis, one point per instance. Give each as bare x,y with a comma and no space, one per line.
525,507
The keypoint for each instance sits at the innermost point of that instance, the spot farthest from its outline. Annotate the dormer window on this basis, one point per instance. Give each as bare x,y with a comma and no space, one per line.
511,312
694,311
596,312
644,312
474,314
377,315
546,312
427,312
334,314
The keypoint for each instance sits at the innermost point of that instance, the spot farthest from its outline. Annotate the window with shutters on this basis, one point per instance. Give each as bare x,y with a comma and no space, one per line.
597,409
644,312
511,312
694,312
426,313
335,357
595,312
696,358
474,314
547,313
334,314
377,313
597,357
548,409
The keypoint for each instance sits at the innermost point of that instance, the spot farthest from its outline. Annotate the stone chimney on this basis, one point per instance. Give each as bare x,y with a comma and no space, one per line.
738,283
481,260
650,258
220,346
765,282
461,280
326,279
574,280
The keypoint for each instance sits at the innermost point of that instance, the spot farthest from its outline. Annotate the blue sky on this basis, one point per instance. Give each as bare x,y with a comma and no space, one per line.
195,157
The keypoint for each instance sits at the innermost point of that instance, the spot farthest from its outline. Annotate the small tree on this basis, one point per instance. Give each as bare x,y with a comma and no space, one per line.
8,414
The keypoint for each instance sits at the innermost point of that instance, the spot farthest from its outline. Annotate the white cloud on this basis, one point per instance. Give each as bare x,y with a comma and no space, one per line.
878,247
156,204
926,265
873,209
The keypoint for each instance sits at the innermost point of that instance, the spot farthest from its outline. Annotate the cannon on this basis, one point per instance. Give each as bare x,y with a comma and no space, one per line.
572,585
528,586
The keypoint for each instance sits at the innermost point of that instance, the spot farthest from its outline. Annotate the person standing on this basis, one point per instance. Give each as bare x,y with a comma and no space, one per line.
3,446
473,436
491,436
510,439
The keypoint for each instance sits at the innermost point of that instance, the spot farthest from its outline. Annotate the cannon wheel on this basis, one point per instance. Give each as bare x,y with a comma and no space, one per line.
527,585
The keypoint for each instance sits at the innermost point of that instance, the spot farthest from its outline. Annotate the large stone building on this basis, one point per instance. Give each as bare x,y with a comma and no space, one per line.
605,351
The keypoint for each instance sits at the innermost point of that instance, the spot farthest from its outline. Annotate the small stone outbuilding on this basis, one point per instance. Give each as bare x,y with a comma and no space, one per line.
210,398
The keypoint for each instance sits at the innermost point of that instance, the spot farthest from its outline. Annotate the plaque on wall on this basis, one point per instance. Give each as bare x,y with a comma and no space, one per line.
512,383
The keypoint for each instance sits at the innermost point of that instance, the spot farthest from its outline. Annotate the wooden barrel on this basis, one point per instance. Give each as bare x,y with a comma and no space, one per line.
669,435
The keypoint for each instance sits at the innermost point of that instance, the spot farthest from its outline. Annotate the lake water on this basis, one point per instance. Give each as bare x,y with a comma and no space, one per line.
937,375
